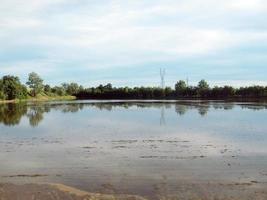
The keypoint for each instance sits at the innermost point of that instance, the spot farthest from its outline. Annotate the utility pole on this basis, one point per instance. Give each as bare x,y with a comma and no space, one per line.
162,77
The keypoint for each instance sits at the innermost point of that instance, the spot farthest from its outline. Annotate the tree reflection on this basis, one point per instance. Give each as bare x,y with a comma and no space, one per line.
254,107
203,110
73,107
35,115
107,107
181,109
11,114
225,106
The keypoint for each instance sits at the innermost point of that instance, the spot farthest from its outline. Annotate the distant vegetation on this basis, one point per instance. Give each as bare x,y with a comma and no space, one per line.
11,88
181,90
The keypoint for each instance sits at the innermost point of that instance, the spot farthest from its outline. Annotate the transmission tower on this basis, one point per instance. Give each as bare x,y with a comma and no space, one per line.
162,77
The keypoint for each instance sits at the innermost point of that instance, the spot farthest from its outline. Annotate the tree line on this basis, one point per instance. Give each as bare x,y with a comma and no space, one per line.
11,88
181,90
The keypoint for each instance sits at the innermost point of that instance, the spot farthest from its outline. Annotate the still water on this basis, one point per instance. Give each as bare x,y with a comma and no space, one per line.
146,148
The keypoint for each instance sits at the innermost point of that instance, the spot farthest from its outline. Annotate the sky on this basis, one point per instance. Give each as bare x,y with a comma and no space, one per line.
126,42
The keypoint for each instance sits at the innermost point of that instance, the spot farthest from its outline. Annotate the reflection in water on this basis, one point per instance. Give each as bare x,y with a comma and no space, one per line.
162,116
180,109
11,114
70,108
145,148
226,106
35,114
162,113
203,110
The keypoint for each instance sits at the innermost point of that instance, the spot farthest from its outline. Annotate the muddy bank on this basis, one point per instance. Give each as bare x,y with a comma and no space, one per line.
194,191
54,192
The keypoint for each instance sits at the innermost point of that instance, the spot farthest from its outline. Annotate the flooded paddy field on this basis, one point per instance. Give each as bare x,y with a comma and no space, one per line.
145,149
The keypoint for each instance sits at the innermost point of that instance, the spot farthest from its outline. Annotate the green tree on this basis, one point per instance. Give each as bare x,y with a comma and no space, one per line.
65,86
108,86
12,88
228,91
59,90
180,87
72,88
35,83
203,84
168,91
159,92
47,89
81,88
203,88
2,94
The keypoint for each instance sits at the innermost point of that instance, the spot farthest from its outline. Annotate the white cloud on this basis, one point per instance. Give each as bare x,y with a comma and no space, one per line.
22,68
19,23
248,5
26,7
121,33
239,83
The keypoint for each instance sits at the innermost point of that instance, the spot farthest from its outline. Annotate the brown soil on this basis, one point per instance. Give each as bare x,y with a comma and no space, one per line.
214,191
54,192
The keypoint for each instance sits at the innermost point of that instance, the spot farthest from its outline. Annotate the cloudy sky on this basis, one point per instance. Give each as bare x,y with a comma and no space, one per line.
126,42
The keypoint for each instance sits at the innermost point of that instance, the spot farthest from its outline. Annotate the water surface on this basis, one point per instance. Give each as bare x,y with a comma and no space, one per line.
134,147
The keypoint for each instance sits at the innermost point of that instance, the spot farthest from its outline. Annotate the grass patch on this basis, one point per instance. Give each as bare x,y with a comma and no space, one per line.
41,97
